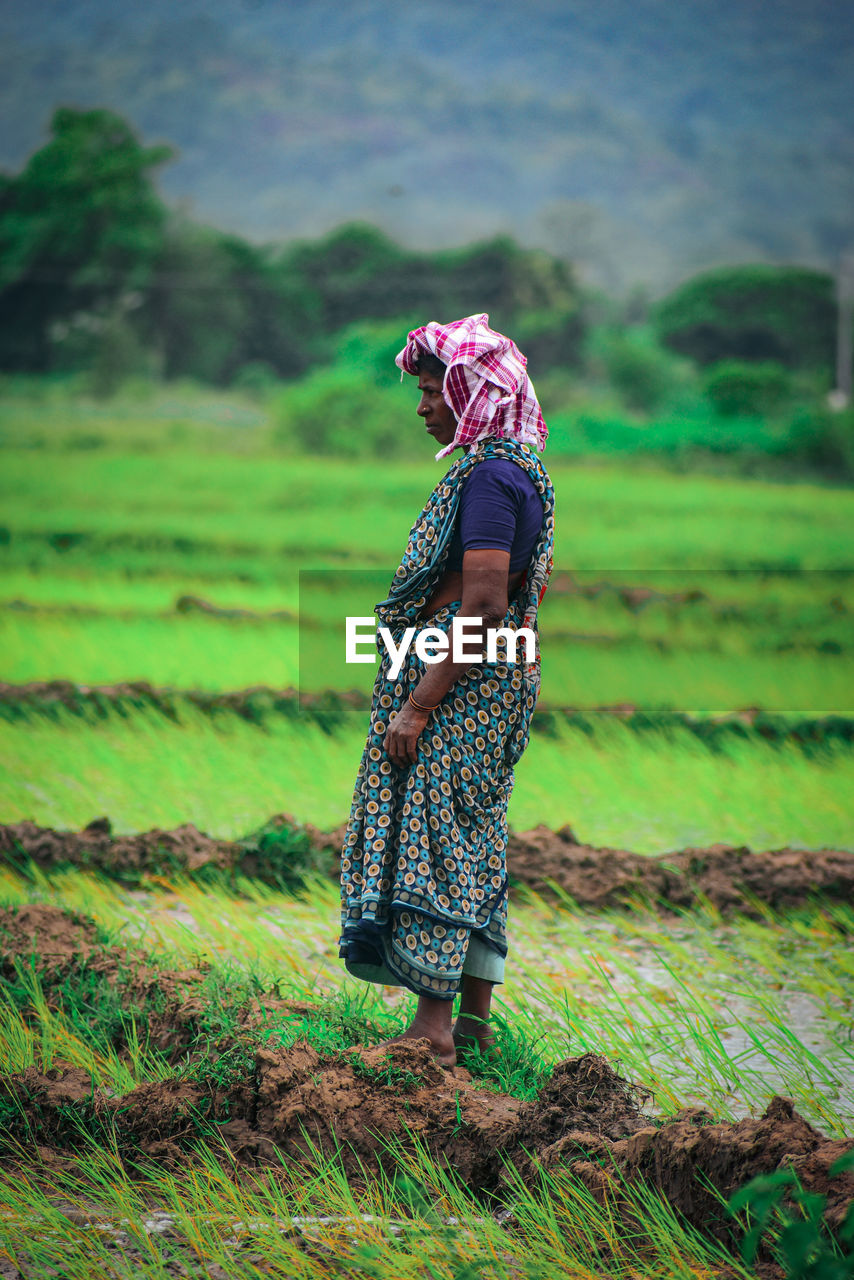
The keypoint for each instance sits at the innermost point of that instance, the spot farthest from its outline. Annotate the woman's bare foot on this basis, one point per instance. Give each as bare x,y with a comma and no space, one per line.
472,1031
474,1035
443,1045
432,1022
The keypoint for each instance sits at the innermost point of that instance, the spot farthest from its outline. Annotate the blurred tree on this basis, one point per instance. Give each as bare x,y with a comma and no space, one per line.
637,366
508,282
824,440
116,356
217,304
95,274
80,228
357,273
551,339
786,314
351,274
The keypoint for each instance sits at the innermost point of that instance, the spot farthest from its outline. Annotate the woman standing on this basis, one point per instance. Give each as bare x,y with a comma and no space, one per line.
423,872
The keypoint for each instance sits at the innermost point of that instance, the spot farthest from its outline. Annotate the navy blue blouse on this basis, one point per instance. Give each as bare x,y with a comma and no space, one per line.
499,507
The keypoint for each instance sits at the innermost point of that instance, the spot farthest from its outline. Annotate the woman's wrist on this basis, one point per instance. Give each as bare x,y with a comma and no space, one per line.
420,706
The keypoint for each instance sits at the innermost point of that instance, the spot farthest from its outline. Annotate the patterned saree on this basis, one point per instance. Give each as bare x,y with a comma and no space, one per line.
423,869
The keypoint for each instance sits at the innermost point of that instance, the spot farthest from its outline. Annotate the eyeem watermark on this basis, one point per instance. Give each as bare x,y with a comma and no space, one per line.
432,644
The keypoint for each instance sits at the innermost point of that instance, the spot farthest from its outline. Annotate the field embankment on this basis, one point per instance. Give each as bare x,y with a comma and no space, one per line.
728,877
330,708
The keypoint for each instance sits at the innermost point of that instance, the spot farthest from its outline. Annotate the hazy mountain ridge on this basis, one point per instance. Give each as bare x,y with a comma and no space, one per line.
644,144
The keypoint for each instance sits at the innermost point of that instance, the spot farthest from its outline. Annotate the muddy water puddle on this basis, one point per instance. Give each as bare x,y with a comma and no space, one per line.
174,1238
711,1022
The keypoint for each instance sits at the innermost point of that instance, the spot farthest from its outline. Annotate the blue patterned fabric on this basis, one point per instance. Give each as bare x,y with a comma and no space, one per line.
423,863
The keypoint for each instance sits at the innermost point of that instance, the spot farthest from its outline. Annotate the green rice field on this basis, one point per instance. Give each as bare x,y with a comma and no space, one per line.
165,545
651,792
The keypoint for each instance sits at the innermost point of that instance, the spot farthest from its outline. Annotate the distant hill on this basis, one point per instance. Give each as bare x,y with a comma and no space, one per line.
644,139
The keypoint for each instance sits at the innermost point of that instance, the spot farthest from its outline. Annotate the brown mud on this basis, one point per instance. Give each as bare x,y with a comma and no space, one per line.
360,1103
731,877
364,1100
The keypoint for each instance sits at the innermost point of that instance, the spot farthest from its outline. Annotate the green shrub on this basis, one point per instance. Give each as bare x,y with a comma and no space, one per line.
823,439
368,348
550,339
282,854
737,388
639,369
342,411
257,379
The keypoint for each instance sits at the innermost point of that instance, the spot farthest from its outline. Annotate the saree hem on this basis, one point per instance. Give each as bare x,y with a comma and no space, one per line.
404,901
371,962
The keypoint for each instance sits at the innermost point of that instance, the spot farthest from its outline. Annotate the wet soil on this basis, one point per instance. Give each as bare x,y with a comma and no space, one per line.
586,1120
731,877
184,849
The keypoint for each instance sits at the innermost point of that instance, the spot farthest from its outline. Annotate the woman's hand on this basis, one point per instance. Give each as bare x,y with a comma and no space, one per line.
401,737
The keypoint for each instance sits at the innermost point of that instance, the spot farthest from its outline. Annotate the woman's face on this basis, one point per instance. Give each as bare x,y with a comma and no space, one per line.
439,420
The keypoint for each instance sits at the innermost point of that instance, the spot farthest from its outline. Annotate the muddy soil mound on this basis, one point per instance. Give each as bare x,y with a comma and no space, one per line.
355,1104
184,849
359,1103
280,853
54,938
691,1149
732,877
173,1003
694,1161
729,876
582,1094
376,1096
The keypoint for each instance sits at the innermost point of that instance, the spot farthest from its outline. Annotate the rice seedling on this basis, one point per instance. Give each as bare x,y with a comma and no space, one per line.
184,652
617,518
651,793
99,590
41,1036
309,1222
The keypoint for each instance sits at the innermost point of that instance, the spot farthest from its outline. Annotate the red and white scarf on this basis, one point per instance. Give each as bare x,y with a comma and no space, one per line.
486,384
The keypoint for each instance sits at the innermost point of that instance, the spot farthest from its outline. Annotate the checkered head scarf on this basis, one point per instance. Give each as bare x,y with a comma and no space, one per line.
485,384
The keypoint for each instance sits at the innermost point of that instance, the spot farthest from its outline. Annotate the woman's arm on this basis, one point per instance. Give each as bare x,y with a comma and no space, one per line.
484,596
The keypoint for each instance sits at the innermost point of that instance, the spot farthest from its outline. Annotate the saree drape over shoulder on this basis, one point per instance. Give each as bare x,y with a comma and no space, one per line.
423,873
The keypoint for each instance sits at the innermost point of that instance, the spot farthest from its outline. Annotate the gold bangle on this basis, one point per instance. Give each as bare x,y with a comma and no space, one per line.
419,707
